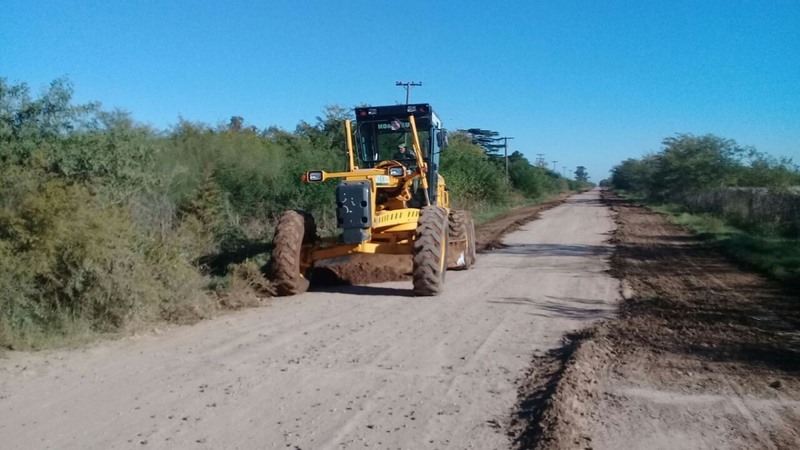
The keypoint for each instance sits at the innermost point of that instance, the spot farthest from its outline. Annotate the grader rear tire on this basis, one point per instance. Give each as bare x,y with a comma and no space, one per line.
461,233
471,244
430,251
294,229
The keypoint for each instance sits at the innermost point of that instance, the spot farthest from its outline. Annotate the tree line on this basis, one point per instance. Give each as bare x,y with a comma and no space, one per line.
713,174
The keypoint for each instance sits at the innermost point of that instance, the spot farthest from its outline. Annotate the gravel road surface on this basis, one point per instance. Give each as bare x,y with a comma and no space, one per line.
348,367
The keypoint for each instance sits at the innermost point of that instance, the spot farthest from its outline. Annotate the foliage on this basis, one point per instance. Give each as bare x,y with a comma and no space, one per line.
71,256
28,125
471,178
690,162
486,139
769,172
534,182
712,174
67,259
581,174
82,143
634,175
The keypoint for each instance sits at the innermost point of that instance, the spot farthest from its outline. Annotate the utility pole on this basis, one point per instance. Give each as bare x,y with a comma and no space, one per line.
564,171
540,161
554,167
408,85
505,150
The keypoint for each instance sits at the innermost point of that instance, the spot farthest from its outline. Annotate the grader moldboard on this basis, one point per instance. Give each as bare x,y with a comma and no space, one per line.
388,202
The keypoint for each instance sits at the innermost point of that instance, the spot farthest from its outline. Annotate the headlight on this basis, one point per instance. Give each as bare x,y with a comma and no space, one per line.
314,175
396,171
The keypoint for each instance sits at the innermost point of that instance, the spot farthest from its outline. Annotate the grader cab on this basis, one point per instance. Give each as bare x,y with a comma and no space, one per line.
391,200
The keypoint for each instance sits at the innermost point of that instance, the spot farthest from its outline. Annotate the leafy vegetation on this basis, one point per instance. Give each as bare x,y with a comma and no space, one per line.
488,140
690,163
745,202
106,224
581,174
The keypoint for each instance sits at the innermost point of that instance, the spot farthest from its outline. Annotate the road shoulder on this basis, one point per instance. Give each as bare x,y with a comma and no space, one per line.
703,355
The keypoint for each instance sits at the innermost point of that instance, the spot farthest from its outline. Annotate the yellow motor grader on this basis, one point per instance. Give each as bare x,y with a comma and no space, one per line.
389,201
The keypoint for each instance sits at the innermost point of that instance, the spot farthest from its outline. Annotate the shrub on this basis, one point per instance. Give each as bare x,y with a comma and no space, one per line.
68,260
470,176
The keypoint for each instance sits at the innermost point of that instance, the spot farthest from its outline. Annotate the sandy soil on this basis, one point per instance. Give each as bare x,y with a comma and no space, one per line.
341,367
704,356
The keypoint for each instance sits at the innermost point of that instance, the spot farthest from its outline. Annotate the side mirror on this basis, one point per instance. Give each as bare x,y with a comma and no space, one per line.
441,137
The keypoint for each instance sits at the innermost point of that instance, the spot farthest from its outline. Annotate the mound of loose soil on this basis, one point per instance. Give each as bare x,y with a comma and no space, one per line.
703,355
361,268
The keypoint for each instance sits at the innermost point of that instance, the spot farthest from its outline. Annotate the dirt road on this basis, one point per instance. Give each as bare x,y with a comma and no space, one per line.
352,367
703,354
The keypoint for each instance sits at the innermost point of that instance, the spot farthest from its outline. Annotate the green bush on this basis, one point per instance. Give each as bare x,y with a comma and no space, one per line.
532,181
69,261
687,164
709,174
472,179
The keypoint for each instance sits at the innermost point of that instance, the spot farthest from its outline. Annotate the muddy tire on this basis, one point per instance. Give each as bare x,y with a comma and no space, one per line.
460,234
430,251
295,228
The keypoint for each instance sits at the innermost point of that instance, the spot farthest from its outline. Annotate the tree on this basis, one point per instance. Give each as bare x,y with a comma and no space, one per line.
28,124
581,174
471,178
634,175
487,139
530,180
767,171
328,133
688,163
236,123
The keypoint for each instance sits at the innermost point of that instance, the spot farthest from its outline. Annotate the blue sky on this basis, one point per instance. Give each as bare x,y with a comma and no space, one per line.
584,82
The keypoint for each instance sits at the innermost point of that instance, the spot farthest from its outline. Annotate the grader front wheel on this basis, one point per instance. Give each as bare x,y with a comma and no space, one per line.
430,251
294,229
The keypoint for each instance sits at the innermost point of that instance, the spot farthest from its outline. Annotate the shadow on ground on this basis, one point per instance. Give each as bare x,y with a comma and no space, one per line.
553,249
561,307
